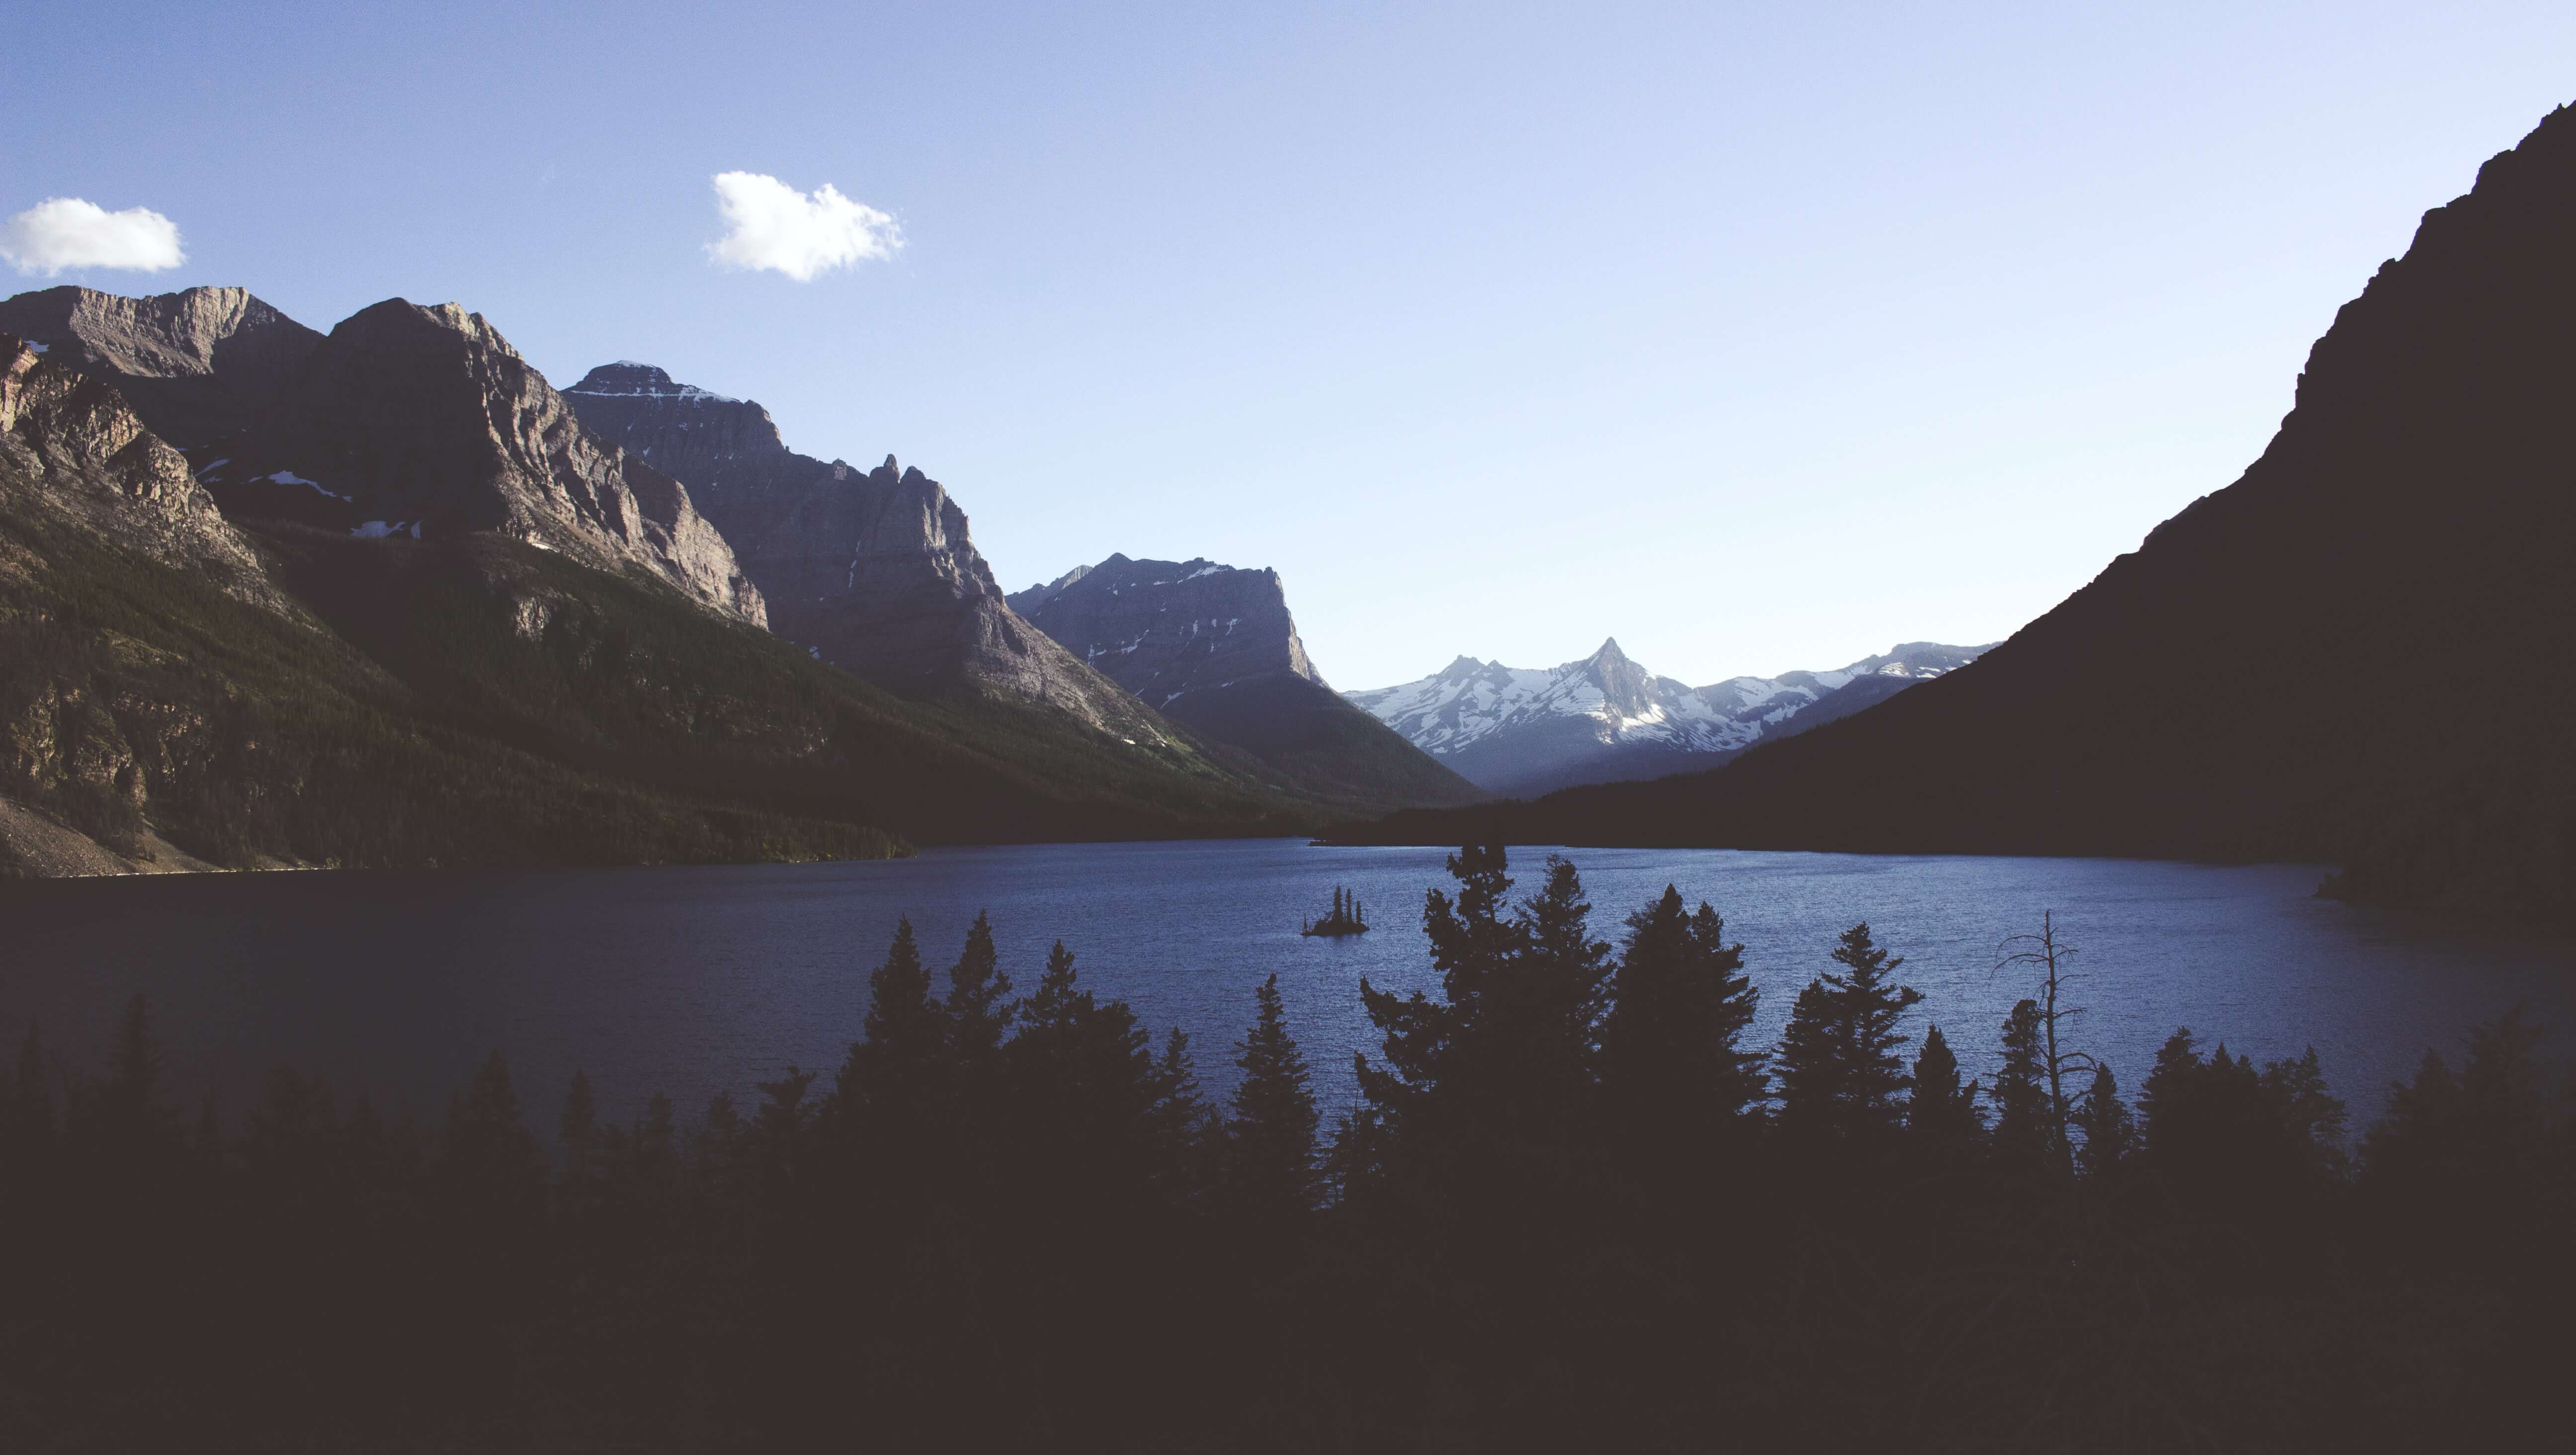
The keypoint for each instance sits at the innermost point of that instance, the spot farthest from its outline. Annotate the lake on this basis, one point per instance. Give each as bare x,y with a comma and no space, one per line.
690,980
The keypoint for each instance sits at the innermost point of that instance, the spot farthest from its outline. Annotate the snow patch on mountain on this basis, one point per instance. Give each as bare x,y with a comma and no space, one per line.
1487,707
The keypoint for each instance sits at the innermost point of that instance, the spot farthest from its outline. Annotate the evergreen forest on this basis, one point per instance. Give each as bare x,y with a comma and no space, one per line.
1573,1207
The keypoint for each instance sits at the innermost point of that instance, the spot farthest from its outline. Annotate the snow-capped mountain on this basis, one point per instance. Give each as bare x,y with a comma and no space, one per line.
1524,732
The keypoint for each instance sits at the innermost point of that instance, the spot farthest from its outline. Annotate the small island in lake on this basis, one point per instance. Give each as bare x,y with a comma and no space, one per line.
1344,920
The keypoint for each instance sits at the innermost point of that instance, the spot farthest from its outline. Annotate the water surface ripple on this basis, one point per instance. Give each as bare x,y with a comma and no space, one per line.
693,979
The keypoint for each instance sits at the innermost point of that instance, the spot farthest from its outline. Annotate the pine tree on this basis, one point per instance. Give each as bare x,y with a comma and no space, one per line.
1941,1115
895,1088
2026,1134
1188,1134
1535,1057
133,1109
979,1007
1673,1076
1838,1067
2110,1134
1470,946
2311,1119
656,1141
577,1141
1270,1163
1083,1084
2164,1106
489,1187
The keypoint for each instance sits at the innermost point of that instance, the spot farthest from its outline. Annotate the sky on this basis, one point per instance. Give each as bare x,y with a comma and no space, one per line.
1758,337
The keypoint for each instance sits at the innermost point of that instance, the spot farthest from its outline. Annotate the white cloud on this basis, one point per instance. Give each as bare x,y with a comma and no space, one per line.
801,234
65,232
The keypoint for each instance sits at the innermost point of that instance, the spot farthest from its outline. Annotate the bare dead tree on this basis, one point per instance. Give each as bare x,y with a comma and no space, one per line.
2050,955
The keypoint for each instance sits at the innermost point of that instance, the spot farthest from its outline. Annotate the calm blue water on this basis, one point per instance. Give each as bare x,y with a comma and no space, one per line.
691,980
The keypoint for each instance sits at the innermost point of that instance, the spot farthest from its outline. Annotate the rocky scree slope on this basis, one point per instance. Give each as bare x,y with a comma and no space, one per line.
874,570
2411,523
1523,732
1214,647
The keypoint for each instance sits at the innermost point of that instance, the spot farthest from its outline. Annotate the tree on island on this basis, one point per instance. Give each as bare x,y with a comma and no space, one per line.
1344,919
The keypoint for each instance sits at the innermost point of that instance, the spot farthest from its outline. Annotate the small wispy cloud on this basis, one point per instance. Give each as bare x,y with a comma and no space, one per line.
66,232
801,234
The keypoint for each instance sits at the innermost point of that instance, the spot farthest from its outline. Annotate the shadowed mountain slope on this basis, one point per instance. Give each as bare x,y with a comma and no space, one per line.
2410,526
1214,647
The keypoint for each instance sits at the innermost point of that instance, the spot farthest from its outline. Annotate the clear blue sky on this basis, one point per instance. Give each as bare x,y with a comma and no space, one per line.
1759,337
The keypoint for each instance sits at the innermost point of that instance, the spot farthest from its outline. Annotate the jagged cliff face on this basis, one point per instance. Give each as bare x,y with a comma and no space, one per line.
78,471
875,570
1162,629
73,450
196,366
423,421
1214,647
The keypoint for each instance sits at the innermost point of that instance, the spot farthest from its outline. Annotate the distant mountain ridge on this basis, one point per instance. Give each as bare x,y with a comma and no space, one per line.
1525,732
1215,647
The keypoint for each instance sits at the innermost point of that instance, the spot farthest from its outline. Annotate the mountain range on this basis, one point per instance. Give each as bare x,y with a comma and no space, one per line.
2408,528
1522,732
382,597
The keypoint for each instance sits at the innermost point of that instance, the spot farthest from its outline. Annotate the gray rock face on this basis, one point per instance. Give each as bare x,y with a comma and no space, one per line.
425,419
72,448
410,419
1162,629
875,570
1214,647
195,365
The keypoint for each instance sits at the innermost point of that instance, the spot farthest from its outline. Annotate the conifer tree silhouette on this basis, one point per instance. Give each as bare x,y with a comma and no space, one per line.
1941,1114
1270,1164
1674,1076
1838,1068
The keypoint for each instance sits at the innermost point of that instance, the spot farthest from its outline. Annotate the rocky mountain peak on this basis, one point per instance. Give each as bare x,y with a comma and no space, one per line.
875,570
192,364
426,420
1607,717
628,379
1036,596
1161,629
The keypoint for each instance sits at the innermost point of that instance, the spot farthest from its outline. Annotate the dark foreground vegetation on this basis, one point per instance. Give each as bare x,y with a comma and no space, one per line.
1572,1209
